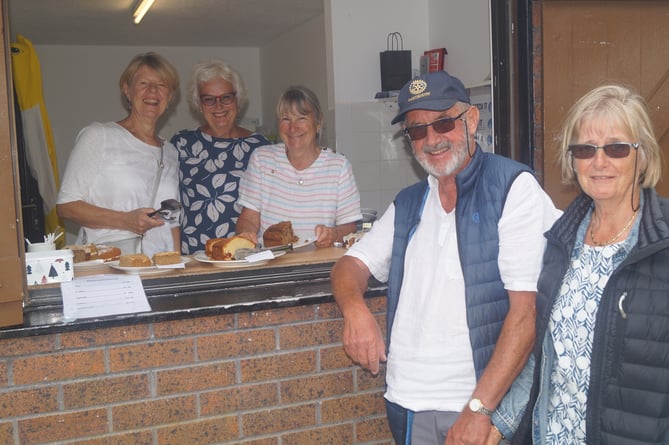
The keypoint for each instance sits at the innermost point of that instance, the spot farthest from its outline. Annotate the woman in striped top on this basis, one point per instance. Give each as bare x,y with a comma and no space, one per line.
298,180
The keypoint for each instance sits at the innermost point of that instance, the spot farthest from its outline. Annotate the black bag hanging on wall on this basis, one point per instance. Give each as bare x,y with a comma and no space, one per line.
395,63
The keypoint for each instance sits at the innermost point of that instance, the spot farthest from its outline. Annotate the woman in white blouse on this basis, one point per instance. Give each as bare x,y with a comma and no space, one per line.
118,172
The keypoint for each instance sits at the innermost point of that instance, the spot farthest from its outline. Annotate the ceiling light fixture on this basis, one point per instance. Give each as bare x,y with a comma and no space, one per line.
141,9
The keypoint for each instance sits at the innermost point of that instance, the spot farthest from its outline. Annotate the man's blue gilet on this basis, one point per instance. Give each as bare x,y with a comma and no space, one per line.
482,189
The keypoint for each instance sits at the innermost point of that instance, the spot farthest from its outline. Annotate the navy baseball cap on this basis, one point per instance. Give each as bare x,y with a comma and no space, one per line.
433,91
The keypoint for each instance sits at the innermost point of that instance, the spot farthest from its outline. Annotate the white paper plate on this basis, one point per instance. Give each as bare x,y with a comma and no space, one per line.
83,265
303,243
231,264
148,270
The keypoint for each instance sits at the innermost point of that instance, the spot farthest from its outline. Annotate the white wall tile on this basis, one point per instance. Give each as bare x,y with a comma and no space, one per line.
394,147
394,175
366,117
388,110
372,200
387,197
368,175
363,147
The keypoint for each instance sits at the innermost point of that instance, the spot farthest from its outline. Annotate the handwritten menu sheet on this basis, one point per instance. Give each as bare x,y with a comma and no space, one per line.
103,295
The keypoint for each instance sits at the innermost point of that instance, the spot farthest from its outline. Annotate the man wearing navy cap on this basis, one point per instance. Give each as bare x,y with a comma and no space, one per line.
461,253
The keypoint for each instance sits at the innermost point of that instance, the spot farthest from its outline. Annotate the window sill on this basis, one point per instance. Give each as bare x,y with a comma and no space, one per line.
200,290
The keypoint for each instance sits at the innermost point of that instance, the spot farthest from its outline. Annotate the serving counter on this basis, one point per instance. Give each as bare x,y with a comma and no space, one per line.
225,356
200,288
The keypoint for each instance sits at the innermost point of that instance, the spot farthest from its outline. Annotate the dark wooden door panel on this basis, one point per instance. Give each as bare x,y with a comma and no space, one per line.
586,44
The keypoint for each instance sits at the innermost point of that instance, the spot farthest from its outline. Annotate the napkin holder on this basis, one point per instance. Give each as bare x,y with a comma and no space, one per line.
49,266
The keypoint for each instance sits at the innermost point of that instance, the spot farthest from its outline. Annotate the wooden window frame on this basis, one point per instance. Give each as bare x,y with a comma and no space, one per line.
512,74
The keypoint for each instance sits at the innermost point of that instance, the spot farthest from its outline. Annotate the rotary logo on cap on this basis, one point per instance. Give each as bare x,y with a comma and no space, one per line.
417,87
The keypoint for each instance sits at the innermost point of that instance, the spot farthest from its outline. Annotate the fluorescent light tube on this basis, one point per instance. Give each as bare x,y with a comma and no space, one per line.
141,9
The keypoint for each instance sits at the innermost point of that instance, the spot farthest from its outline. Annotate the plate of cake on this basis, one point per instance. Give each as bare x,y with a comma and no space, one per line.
92,255
281,234
231,264
141,264
221,252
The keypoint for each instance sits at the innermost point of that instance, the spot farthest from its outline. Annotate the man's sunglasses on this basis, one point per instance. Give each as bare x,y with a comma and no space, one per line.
443,125
615,150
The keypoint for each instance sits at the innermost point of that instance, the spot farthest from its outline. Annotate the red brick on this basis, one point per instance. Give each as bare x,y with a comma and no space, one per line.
6,433
191,326
133,438
372,429
195,378
62,366
106,390
236,344
310,334
328,311
354,407
316,387
29,401
239,398
49,429
151,355
278,366
108,336
377,305
279,419
334,357
381,321
27,345
201,432
4,376
264,441
154,412
366,381
276,316
333,435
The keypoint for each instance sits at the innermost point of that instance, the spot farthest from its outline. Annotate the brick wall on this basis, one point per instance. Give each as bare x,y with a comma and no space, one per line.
274,377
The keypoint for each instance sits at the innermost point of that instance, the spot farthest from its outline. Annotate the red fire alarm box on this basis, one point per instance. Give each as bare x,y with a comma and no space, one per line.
435,59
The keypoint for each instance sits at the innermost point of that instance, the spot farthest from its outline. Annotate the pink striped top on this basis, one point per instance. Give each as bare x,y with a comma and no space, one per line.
324,193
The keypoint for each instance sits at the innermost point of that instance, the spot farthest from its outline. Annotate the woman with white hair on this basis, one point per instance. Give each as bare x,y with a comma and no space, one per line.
213,156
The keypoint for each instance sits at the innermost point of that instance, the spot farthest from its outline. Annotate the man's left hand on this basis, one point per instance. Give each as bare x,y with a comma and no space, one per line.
470,428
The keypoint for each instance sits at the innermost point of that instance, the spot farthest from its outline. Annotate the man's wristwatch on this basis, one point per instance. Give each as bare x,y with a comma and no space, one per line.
477,406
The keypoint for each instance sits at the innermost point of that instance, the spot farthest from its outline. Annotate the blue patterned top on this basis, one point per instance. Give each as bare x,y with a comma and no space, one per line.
572,327
209,173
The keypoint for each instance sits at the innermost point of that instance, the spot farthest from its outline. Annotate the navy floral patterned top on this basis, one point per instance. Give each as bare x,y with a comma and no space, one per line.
209,173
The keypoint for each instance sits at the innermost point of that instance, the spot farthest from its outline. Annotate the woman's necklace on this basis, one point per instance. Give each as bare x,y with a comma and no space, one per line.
301,171
616,236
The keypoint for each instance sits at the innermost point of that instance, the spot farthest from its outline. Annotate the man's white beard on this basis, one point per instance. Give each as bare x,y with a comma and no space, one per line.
459,154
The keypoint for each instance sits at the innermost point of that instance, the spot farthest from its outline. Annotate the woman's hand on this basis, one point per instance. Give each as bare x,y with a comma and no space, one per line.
325,236
138,221
248,224
251,236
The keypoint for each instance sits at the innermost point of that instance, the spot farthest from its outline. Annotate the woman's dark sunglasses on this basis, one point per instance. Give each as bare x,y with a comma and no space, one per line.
615,150
443,125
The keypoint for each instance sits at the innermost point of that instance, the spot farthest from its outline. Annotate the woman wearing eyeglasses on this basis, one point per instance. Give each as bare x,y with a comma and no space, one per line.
213,157
600,369
299,181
